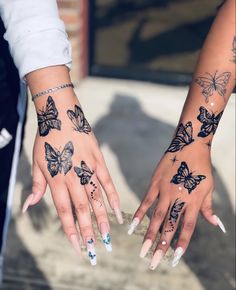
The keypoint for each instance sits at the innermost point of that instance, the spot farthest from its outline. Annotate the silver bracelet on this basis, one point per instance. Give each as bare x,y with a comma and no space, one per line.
52,90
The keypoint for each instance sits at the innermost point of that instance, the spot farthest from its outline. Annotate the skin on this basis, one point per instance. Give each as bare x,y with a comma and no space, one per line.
66,189
217,55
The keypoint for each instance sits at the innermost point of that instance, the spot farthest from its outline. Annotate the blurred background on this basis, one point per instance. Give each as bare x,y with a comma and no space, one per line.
132,63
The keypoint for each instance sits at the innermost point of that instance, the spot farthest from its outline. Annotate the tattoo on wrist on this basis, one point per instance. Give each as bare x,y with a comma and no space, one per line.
185,177
79,121
183,137
47,119
234,49
174,214
213,83
84,173
58,161
210,122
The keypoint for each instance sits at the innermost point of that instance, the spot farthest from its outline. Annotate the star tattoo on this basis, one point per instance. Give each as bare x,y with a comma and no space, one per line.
174,159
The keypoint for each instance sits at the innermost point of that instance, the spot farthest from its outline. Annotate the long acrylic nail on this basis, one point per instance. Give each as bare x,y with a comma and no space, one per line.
177,256
156,259
27,202
145,248
75,243
133,226
106,238
219,223
118,214
91,251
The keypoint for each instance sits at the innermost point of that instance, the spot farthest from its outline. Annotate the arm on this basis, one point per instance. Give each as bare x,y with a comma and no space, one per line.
183,181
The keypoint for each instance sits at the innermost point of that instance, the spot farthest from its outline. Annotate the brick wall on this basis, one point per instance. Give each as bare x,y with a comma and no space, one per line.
74,14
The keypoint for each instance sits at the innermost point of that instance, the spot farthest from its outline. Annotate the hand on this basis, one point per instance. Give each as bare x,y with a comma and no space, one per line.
67,157
183,184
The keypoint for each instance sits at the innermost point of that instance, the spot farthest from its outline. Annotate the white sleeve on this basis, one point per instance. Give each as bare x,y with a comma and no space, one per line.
35,34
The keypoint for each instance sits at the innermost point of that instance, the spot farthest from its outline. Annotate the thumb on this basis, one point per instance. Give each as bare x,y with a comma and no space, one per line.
38,188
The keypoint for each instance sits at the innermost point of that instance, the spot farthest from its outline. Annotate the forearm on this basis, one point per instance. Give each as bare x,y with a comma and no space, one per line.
216,63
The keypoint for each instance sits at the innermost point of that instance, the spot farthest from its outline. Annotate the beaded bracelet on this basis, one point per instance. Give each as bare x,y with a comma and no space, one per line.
52,90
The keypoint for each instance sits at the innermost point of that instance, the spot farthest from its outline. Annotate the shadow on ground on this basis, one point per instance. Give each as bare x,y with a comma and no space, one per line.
138,141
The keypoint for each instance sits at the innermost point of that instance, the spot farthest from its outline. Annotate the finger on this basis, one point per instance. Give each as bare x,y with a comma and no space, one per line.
168,231
188,226
81,206
207,213
104,178
155,223
62,203
146,203
94,194
38,188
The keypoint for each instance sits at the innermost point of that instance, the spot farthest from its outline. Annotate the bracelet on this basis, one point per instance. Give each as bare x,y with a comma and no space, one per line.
52,90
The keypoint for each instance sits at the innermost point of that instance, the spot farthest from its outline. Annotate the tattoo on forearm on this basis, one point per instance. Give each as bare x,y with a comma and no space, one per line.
84,173
47,119
234,49
183,137
79,121
58,161
210,122
213,83
174,214
185,177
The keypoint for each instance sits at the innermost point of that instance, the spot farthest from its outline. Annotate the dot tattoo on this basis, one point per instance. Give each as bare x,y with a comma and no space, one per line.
174,214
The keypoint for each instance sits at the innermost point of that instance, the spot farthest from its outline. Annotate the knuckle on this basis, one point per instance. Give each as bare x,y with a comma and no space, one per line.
159,214
62,210
147,202
81,208
183,242
207,208
150,234
69,229
189,226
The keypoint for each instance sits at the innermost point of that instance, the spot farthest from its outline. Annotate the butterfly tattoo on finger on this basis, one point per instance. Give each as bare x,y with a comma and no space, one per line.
78,120
183,137
59,161
213,83
47,118
185,177
210,122
174,214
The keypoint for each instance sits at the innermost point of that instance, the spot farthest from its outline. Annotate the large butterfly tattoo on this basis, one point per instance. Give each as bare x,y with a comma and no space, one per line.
213,83
183,137
185,177
79,121
84,173
209,122
58,161
47,119
174,214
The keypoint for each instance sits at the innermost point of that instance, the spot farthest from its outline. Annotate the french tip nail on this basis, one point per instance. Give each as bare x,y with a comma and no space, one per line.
177,256
156,259
76,244
119,216
145,248
27,202
220,224
133,226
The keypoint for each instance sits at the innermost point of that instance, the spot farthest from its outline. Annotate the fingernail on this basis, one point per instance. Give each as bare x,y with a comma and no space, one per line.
177,256
106,238
133,226
156,259
219,223
75,243
118,215
27,202
91,251
145,248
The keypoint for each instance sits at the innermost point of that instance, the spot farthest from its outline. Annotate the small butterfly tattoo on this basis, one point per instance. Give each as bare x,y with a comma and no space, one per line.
79,121
183,137
84,173
47,119
58,161
213,83
209,122
174,214
185,177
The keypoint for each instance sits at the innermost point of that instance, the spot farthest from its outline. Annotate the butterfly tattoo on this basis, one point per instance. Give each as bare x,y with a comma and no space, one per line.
47,119
185,177
174,214
183,137
58,161
213,83
79,121
209,122
84,173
